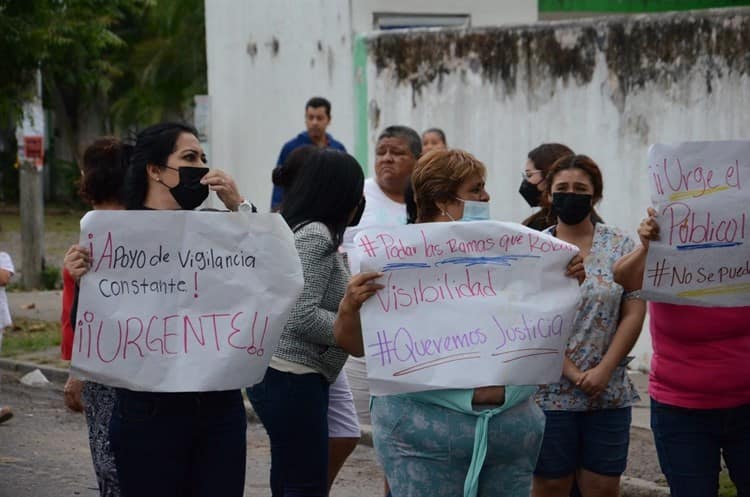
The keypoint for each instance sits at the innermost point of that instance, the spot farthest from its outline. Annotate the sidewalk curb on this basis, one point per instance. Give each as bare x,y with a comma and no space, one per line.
53,374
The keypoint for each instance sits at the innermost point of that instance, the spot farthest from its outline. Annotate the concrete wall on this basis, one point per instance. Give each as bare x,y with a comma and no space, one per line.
607,87
265,59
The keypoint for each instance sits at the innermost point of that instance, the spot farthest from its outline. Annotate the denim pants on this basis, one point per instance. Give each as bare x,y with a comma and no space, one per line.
595,440
690,443
189,444
294,410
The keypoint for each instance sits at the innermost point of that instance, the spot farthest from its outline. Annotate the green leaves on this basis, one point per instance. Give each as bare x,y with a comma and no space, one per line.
135,61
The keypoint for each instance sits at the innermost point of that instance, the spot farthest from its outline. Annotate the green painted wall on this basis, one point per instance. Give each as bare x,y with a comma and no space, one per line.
360,102
633,6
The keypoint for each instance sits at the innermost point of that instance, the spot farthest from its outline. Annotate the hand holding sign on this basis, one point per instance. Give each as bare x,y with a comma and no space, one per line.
77,261
649,228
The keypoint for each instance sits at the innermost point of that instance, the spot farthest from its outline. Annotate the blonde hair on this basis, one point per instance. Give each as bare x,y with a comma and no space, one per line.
437,177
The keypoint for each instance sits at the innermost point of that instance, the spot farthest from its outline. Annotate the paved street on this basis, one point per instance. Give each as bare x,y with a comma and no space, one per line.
44,451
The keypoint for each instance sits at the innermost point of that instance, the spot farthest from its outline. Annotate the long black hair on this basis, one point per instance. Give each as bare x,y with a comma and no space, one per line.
327,189
285,174
152,146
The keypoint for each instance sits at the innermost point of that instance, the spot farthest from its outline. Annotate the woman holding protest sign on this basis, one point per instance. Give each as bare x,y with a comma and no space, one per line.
292,400
698,382
102,175
187,443
588,412
471,442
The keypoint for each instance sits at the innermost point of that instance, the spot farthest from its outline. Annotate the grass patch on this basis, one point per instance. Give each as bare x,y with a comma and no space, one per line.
30,335
55,220
726,487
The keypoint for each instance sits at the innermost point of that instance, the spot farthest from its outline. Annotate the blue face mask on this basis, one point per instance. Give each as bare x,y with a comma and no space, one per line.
475,211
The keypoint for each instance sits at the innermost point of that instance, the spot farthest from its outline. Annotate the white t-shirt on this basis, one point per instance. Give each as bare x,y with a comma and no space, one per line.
7,264
380,210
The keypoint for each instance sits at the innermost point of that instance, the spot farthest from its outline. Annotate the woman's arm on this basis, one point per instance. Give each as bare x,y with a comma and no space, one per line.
347,328
595,380
308,320
628,270
571,371
6,269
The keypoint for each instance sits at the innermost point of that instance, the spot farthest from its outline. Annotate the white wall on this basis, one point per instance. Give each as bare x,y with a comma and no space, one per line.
702,94
258,92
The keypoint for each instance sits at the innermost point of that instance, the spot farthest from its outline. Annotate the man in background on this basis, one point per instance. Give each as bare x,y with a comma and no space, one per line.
317,119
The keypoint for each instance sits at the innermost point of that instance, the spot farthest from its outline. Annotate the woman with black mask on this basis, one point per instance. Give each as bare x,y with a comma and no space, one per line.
588,412
186,444
538,163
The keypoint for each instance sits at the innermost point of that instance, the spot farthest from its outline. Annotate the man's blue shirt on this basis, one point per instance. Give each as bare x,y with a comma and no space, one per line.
296,142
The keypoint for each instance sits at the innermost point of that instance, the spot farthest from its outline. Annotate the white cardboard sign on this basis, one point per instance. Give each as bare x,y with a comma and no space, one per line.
465,304
703,205
181,301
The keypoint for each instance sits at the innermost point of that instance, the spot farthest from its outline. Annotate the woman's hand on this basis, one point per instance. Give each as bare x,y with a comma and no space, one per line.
72,394
347,328
648,229
77,262
224,186
360,288
575,269
595,380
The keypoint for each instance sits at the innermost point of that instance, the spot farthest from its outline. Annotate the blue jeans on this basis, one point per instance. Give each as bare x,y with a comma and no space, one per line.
179,444
294,412
690,443
595,440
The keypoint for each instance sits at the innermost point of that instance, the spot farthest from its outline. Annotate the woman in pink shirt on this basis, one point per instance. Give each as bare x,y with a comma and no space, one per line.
699,384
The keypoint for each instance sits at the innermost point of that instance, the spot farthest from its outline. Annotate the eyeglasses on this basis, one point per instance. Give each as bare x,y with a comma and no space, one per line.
529,174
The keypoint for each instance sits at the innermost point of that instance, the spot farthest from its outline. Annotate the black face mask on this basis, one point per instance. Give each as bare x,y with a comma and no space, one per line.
530,193
571,208
358,213
189,192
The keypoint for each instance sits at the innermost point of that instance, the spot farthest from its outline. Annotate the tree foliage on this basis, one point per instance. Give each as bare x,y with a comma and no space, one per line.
167,64
133,61
108,66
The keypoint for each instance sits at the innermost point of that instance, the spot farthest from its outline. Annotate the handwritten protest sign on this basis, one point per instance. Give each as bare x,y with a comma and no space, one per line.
465,305
702,256
183,301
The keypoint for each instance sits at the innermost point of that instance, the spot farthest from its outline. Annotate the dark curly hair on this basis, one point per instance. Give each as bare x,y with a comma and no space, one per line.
104,165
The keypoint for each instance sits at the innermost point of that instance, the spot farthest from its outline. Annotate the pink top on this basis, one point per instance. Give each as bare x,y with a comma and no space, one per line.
701,356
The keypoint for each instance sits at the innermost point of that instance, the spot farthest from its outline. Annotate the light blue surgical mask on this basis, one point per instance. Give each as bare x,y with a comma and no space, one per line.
475,211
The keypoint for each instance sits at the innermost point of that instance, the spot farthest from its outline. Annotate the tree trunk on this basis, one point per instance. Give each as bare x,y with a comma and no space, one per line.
32,225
